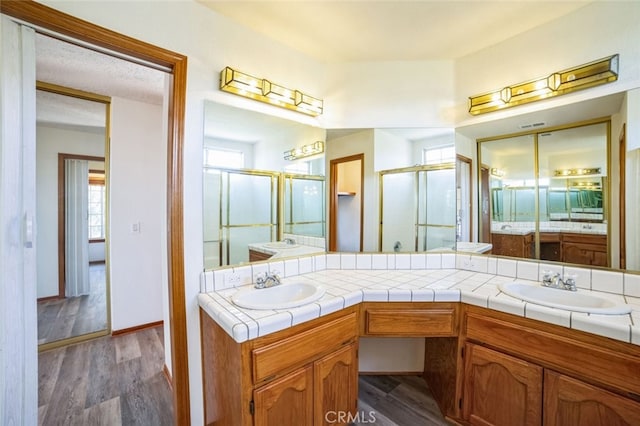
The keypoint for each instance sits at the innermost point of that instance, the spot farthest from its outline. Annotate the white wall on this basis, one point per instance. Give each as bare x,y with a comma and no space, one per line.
97,252
138,182
391,151
389,94
49,142
598,30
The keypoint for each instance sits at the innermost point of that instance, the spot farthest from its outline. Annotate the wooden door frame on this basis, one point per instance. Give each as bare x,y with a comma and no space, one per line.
484,230
622,194
46,18
333,198
62,229
469,161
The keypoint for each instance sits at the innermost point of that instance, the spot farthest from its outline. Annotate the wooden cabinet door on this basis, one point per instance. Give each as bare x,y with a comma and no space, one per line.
500,390
336,386
286,401
568,402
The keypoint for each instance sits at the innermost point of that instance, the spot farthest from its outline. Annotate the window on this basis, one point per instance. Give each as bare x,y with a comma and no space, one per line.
224,158
97,211
446,154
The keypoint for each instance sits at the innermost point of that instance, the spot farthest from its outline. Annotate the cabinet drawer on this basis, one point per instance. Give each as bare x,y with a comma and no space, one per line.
296,350
411,322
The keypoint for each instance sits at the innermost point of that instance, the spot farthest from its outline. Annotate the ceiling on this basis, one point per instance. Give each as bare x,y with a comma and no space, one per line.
378,30
71,66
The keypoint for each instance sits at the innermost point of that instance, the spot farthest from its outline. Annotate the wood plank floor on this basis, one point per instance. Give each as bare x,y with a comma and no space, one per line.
106,381
397,401
74,316
118,380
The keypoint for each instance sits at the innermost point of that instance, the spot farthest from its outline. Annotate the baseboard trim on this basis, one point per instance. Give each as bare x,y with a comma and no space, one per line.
390,373
167,375
48,298
136,328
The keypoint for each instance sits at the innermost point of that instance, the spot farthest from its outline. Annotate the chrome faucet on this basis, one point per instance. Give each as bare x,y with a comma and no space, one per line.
554,280
289,241
267,279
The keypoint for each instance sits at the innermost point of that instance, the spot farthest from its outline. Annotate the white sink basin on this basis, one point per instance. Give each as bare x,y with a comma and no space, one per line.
473,247
281,296
577,301
281,245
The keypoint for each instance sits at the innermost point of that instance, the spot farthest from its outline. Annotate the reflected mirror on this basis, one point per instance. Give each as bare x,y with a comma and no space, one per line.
71,196
544,195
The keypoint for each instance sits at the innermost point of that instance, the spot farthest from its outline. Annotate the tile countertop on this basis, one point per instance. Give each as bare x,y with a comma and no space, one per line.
443,278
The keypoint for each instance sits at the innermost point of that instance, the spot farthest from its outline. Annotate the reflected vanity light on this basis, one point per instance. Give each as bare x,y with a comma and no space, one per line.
587,185
304,151
558,83
263,90
577,172
497,172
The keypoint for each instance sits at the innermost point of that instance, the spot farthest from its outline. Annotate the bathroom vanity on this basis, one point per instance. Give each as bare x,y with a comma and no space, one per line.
489,358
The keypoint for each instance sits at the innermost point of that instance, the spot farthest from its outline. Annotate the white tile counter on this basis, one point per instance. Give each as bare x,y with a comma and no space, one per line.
433,277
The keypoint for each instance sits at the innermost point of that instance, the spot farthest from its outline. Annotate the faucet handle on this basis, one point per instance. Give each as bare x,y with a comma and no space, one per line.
570,282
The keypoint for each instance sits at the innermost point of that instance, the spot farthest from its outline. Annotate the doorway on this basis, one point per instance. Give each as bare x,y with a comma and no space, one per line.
346,205
50,20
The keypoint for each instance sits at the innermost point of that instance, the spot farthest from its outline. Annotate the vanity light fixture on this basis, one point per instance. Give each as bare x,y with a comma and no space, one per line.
304,151
577,172
263,90
587,185
497,172
558,83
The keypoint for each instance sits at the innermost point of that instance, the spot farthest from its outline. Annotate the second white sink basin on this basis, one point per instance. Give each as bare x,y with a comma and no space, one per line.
281,296
281,245
577,301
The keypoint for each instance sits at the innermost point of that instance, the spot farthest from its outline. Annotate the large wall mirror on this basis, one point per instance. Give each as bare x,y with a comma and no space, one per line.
550,194
72,134
557,191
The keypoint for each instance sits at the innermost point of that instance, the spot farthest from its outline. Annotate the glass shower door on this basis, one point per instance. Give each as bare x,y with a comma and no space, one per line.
304,205
398,212
240,208
436,209
418,208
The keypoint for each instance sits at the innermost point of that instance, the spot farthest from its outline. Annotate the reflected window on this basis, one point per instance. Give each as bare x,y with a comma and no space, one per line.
441,155
97,216
225,158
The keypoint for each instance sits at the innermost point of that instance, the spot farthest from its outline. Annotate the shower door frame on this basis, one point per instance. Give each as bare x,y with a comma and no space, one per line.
416,170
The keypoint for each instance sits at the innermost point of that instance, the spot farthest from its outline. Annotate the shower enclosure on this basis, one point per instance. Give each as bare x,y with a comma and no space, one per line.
304,205
418,208
244,206
240,208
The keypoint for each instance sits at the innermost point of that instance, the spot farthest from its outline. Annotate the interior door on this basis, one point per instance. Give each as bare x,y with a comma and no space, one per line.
18,351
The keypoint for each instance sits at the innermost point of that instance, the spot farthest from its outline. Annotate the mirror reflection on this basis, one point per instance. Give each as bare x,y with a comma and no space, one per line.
71,183
255,195
543,195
